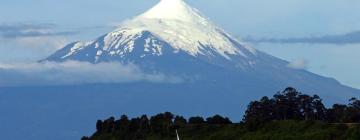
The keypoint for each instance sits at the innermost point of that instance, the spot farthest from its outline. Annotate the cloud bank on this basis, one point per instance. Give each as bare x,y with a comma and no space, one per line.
74,73
22,41
31,30
349,38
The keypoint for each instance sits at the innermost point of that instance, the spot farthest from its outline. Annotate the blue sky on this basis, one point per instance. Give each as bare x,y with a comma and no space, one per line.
50,24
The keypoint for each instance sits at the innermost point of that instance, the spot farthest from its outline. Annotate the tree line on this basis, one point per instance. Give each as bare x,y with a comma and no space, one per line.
288,104
162,124
291,104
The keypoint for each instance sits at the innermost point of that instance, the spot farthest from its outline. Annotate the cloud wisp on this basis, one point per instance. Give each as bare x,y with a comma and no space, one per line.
31,40
349,38
299,64
75,73
21,30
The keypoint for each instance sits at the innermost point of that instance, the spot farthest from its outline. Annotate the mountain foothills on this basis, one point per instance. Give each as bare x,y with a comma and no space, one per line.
214,72
175,39
288,115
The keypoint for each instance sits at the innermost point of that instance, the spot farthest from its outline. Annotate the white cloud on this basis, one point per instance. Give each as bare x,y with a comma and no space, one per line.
29,49
50,43
31,40
73,72
20,30
298,64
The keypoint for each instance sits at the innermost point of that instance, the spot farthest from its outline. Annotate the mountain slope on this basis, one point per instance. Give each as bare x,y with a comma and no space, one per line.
169,27
175,39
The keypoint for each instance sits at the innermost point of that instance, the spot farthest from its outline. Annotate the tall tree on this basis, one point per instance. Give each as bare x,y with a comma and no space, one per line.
217,119
196,120
179,121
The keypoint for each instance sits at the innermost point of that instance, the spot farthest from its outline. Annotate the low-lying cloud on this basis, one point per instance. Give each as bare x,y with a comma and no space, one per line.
20,30
349,38
74,72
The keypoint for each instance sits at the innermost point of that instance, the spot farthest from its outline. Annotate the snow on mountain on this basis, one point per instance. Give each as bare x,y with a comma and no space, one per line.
186,29
171,23
176,39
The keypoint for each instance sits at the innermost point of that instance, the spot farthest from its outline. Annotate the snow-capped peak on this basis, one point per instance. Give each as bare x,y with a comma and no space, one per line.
185,29
170,25
172,9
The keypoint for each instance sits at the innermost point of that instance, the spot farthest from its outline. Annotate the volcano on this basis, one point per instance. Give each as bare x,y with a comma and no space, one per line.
217,74
175,39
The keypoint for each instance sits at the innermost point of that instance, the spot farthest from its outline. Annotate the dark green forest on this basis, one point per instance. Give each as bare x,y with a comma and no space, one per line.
288,115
